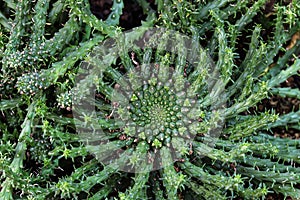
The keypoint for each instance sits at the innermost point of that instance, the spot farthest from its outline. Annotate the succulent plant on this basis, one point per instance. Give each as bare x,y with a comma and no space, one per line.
91,112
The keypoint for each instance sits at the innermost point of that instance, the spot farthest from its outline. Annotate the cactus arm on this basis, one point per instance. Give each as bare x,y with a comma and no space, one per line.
116,12
66,187
282,61
285,74
287,191
4,22
17,163
286,92
280,37
172,180
106,189
63,37
33,82
225,62
12,58
39,19
11,4
138,191
139,161
9,104
251,12
250,126
205,192
267,164
35,51
204,11
259,92
230,10
280,142
286,119
56,11
82,11
248,66
274,177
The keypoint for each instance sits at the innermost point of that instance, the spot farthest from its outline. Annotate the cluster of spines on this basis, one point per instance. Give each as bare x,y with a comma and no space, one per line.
31,83
64,100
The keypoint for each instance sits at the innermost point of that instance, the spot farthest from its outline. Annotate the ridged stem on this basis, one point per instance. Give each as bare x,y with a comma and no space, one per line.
17,163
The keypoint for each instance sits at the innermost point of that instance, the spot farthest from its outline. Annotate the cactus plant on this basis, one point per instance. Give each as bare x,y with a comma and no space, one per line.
157,107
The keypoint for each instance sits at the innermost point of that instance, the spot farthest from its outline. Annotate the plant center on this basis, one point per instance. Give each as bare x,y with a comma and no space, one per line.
156,115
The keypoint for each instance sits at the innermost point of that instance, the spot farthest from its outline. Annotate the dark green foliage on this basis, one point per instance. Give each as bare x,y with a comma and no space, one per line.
42,46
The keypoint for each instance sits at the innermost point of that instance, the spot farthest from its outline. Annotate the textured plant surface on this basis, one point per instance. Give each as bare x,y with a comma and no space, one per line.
249,49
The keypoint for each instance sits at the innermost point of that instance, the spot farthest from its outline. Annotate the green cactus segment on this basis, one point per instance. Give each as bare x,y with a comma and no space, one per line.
57,11
251,12
82,11
287,190
116,12
287,150
223,14
10,104
255,53
12,53
280,142
273,177
221,182
4,22
214,5
259,92
138,159
39,26
35,51
31,83
206,192
266,164
172,180
63,37
244,129
17,163
232,153
291,118
285,74
225,62
287,92
65,187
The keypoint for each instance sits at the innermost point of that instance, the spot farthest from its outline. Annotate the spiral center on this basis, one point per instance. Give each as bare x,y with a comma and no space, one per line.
156,114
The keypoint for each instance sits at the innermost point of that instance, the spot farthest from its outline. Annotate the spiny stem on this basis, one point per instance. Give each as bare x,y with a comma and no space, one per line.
17,163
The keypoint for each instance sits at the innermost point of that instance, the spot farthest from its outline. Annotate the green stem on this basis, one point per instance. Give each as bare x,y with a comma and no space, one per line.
17,163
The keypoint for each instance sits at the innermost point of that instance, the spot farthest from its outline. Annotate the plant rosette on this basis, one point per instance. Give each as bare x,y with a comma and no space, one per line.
141,98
